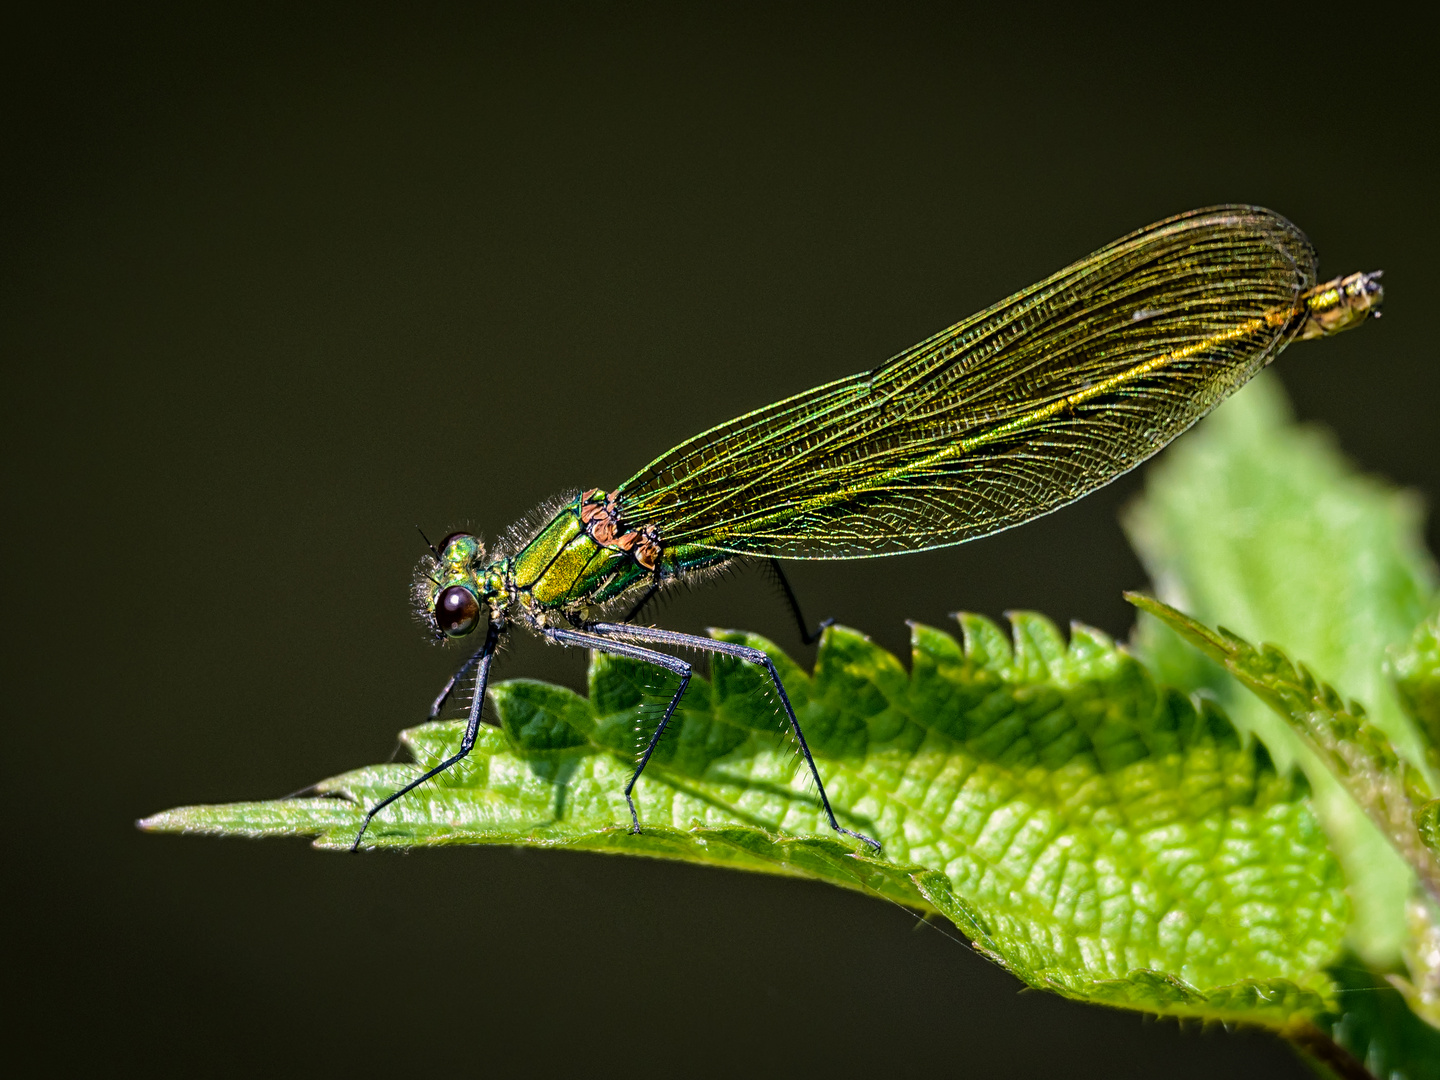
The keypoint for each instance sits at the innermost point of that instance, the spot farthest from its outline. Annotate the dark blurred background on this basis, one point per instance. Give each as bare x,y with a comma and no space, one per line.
280,283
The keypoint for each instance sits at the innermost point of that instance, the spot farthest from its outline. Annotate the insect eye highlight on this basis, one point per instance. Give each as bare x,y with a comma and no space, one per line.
456,611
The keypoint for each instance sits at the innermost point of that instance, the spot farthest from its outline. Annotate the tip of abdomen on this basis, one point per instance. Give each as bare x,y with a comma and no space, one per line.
1342,303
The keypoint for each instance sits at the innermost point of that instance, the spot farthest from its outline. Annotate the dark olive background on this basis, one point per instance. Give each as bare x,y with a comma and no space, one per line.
279,284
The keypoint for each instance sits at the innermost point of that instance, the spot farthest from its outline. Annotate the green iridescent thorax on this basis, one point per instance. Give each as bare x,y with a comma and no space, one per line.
564,567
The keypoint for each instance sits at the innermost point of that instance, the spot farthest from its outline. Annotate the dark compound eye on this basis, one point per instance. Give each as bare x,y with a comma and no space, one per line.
457,611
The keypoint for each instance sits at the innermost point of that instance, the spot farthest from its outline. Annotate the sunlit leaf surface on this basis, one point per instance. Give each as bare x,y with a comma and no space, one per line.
1355,750
1261,525
1098,835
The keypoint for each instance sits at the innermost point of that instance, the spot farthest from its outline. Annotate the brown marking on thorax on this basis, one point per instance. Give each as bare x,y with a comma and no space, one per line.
599,515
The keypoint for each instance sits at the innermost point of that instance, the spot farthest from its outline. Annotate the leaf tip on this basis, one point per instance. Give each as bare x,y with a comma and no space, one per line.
1143,601
176,819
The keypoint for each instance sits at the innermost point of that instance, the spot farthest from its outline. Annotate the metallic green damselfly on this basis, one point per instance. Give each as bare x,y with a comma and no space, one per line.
1001,418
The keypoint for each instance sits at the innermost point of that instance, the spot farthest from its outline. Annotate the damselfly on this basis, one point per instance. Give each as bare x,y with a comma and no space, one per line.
1005,416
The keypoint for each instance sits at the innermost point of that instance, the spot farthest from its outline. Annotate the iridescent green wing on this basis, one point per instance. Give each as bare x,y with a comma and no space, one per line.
1007,415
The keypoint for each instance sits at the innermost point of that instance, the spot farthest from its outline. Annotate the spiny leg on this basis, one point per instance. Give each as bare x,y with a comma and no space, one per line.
481,659
777,573
805,635
460,673
633,652
640,604
607,631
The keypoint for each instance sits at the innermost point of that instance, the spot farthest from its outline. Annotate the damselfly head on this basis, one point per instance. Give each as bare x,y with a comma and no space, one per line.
454,587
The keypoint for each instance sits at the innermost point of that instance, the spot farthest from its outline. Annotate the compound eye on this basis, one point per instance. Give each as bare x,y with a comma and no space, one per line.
457,611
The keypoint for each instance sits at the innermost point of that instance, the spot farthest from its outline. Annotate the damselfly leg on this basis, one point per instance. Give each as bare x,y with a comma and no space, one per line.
777,574
581,639
480,661
608,638
805,635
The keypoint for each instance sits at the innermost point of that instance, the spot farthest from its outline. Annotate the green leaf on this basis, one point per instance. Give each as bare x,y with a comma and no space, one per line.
1415,669
1421,989
1355,750
1396,799
1100,836
1263,525
1427,824
1372,1029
